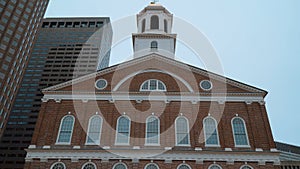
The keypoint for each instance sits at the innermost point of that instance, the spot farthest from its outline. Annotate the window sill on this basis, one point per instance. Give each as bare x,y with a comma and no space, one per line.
147,144
217,146
63,144
242,146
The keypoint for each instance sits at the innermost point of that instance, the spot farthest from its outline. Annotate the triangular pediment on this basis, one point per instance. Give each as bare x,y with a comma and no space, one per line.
127,76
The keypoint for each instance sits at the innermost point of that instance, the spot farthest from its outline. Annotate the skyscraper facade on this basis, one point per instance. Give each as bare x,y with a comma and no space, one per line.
65,48
19,22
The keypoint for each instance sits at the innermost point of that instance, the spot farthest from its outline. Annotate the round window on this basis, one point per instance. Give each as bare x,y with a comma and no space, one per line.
101,84
206,85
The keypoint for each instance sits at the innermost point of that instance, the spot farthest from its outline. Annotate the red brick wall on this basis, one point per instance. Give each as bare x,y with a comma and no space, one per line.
142,163
254,116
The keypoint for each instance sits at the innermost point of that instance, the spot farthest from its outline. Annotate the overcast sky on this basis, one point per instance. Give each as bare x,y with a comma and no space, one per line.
258,43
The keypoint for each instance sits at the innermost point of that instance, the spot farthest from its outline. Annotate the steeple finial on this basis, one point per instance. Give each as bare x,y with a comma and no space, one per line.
154,1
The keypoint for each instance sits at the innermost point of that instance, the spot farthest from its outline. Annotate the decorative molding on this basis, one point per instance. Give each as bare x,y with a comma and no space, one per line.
32,147
160,58
198,149
46,147
230,162
168,161
228,149
120,96
260,157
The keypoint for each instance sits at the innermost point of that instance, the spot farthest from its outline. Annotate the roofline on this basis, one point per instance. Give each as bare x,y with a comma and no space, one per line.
179,62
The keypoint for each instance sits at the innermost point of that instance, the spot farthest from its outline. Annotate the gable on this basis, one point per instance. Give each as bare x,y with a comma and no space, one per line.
177,76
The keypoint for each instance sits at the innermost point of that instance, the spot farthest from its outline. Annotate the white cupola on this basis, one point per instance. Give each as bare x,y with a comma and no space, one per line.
154,32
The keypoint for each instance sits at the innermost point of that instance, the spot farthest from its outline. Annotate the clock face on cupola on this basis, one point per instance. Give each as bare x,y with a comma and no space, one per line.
154,32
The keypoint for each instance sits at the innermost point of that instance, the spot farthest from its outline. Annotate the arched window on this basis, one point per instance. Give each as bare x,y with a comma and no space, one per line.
120,166
182,131
58,165
151,166
210,132
246,167
123,130
89,165
65,130
94,130
143,25
154,45
152,130
166,26
214,166
184,166
239,132
153,85
154,22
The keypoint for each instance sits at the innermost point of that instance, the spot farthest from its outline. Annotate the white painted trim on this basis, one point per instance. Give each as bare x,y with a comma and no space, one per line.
65,143
246,166
87,164
155,97
213,165
157,71
245,127
202,81
58,163
100,132
117,131
217,131
103,87
184,164
152,164
148,90
146,133
120,163
188,132
150,154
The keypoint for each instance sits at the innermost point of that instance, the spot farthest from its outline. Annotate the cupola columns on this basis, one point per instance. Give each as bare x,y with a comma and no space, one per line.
154,32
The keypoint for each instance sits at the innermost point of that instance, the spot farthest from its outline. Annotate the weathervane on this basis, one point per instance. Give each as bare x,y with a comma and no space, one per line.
154,1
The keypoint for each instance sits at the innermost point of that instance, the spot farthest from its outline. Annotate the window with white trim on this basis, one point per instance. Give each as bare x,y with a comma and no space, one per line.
94,130
120,166
151,166
239,132
154,45
123,130
184,166
182,131
152,130
153,85
89,165
58,165
214,166
210,132
154,22
66,130
246,167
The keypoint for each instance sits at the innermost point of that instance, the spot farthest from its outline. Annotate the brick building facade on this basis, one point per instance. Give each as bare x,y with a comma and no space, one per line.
153,112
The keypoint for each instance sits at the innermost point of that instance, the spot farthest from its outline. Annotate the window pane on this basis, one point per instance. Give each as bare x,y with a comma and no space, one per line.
66,130
182,132
239,132
120,166
152,84
94,130
152,132
151,166
211,132
123,130
184,167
